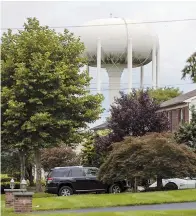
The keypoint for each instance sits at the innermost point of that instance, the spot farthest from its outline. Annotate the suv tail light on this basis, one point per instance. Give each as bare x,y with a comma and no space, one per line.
49,180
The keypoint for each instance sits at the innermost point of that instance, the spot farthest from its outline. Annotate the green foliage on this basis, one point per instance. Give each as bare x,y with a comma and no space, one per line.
146,157
88,151
3,176
187,132
45,100
7,184
44,96
89,155
164,94
190,68
10,162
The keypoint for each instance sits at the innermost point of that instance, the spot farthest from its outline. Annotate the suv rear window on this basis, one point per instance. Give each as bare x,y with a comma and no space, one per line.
91,171
62,172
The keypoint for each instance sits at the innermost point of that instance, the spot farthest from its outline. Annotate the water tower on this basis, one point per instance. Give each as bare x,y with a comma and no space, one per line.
118,43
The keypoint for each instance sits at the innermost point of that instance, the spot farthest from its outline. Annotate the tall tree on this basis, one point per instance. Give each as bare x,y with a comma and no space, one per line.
90,156
187,132
153,155
45,100
190,68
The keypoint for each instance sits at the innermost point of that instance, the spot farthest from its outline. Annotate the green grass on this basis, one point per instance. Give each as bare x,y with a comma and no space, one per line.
106,200
131,213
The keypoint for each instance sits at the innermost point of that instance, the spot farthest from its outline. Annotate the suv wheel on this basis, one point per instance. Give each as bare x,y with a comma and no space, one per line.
115,188
65,191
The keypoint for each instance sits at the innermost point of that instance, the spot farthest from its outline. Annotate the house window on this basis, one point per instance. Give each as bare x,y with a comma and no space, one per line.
181,115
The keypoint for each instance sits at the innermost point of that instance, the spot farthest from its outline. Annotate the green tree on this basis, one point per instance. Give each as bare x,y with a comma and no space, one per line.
190,68
89,154
153,155
187,132
45,100
164,94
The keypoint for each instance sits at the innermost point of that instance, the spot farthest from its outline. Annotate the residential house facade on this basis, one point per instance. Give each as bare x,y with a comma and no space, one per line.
178,109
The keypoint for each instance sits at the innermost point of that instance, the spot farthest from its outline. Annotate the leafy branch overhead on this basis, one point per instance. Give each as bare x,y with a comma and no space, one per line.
190,68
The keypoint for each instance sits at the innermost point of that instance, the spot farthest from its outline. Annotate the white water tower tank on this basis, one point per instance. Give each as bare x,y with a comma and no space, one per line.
119,42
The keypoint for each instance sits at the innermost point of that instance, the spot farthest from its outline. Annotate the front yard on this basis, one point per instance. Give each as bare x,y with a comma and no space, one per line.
108,200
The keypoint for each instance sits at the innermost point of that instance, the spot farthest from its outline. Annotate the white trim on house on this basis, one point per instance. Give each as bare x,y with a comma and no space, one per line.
190,99
173,107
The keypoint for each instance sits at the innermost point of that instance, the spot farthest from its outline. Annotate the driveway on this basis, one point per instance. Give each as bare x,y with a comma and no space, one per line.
170,206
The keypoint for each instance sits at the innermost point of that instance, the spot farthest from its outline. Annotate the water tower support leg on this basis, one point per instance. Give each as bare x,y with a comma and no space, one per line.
98,66
129,66
154,66
142,78
114,84
158,67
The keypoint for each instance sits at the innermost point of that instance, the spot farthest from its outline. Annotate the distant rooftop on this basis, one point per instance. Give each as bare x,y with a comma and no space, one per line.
180,99
100,127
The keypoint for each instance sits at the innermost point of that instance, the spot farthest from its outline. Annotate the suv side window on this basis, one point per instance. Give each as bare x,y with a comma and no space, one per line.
59,173
77,172
90,171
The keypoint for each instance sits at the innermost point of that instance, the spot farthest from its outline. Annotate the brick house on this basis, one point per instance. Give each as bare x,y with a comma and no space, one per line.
178,109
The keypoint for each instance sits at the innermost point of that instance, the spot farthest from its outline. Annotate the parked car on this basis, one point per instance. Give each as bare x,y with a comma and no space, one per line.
65,181
177,183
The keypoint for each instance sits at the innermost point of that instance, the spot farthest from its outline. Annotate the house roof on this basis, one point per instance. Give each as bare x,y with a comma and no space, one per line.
180,99
101,126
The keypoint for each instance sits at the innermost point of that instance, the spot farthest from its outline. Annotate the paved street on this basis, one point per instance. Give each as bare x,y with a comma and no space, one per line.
171,206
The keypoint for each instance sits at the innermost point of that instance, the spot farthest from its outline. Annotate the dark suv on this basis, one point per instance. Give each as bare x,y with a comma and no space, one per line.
66,181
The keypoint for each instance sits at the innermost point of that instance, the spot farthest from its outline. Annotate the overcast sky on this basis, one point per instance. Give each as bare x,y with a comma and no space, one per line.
177,39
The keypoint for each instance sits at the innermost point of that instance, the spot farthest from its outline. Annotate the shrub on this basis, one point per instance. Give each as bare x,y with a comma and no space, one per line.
58,156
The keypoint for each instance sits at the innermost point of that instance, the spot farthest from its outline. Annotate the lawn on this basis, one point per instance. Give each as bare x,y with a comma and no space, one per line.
106,200
131,213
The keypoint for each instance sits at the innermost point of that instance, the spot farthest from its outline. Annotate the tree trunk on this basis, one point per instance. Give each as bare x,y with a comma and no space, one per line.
30,174
159,183
22,164
135,184
38,170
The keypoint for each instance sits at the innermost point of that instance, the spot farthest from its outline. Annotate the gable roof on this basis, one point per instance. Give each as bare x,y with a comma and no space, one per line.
180,99
101,126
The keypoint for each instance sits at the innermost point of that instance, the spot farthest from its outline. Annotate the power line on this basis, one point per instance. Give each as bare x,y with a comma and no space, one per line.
143,84
121,89
96,25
